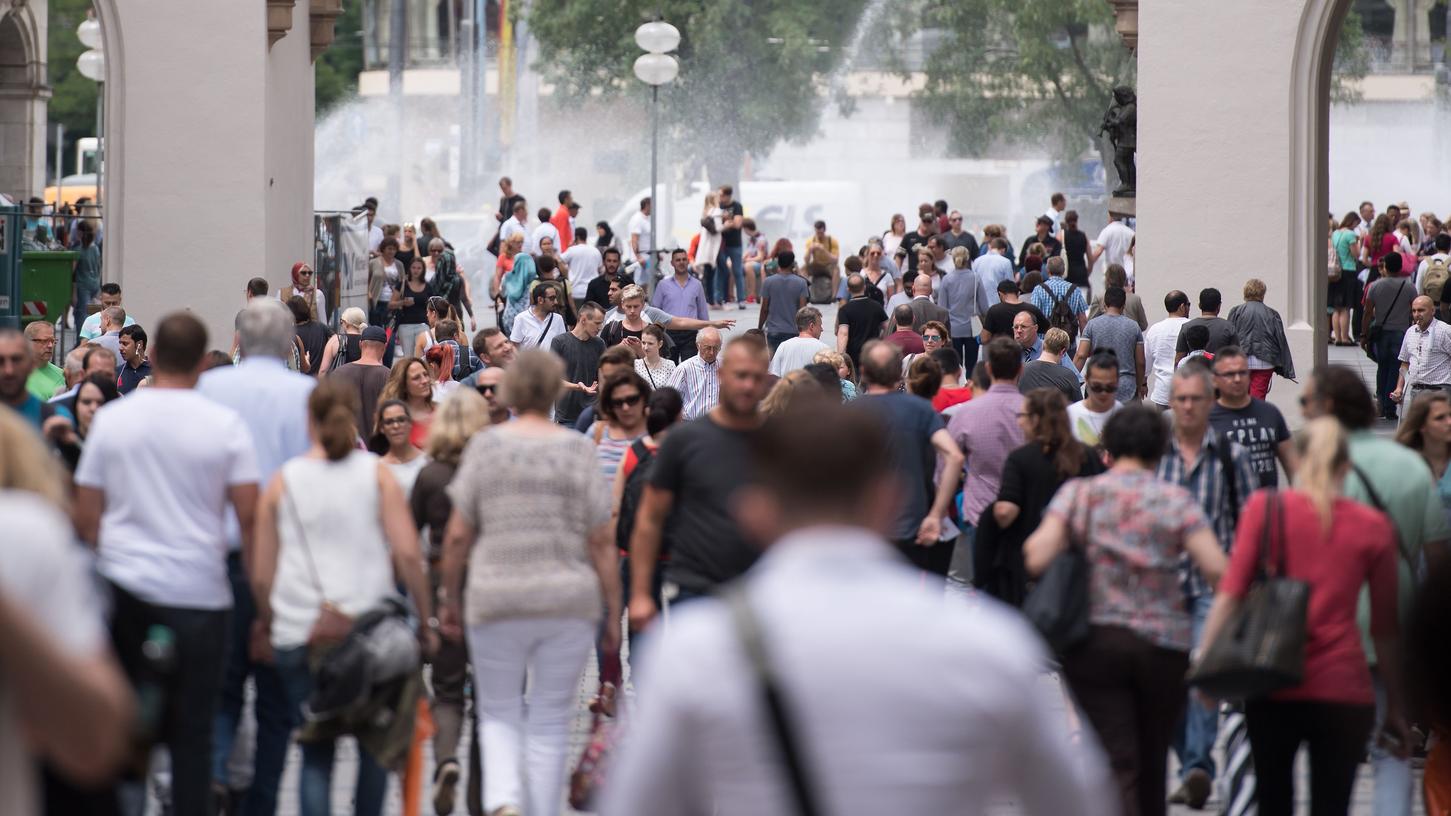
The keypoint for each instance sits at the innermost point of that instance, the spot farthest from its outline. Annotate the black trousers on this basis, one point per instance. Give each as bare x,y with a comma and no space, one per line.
934,559
183,714
1132,693
1335,734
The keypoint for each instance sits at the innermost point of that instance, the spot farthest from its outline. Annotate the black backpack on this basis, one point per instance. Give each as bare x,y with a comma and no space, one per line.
630,498
1060,314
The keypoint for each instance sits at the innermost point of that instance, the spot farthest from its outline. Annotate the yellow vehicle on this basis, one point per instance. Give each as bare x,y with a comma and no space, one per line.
72,189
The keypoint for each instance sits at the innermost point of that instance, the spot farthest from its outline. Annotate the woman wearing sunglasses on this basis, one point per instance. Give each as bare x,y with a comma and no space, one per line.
304,285
621,410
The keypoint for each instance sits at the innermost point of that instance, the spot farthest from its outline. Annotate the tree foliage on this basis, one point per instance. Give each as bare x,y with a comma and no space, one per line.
335,72
751,74
1018,72
73,97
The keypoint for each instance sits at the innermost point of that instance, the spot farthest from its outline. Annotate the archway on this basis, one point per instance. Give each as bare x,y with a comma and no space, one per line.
23,95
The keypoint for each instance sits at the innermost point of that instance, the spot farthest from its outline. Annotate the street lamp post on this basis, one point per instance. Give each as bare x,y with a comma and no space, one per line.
92,65
655,67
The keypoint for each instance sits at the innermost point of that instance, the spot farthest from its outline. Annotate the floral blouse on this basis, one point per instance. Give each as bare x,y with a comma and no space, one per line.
1134,526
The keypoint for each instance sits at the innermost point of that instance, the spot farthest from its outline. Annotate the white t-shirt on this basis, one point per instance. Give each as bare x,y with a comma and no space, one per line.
392,276
43,574
1159,344
544,230
1057,218
528,328
1088,425
584,266
798,352
375,237
165,458
91,328
1115,240
640,225
1420,270
512,226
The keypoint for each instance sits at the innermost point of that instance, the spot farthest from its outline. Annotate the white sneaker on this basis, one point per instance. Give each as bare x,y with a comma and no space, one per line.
728,306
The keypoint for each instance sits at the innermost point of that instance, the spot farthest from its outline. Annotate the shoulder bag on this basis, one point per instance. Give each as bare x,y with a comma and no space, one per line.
1261,648
1373,336
786,738
1058,605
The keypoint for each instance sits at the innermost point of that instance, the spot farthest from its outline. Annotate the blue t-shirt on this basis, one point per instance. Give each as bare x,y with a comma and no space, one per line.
911,421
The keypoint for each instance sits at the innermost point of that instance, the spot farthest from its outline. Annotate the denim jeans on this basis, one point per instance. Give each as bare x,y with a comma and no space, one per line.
274,718
1392,774
1387,368
730,262
315,781
959,574
84,296
1194,738
774,340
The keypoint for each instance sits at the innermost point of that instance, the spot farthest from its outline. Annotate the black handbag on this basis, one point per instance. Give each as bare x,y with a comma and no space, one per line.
1058,605
1261,648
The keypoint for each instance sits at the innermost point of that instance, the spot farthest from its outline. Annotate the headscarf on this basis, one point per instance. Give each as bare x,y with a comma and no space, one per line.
516,280
307,291
608,239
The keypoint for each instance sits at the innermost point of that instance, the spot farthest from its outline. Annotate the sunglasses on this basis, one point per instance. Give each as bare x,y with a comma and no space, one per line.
486,389
1100,388
931,338
626,402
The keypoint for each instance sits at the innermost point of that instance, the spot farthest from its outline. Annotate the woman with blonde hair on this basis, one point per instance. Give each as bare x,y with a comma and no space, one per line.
1262,338
787,391
531,524
409,383
1337,547
1427,430
346,342
462,415
707,250
844,370
892,238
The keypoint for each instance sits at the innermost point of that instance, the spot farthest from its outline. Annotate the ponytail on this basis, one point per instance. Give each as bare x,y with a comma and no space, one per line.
1323,451
334,412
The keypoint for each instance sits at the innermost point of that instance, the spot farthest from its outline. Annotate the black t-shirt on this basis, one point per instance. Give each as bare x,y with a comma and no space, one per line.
702,464
314,337
581,365
1030,479
728,236
1043,374
598,291
1050,243
1221,333
369,380
1260,428
964,240
998,322
863,318
1076,243
418,312
910,242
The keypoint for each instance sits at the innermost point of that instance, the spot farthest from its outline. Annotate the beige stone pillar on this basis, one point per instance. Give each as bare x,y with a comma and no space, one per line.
288,155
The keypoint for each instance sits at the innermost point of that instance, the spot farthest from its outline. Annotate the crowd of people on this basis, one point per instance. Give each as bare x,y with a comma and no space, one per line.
410,528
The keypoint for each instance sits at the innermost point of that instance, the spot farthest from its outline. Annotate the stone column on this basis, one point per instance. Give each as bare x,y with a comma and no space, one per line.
1126,22
289,154
186,136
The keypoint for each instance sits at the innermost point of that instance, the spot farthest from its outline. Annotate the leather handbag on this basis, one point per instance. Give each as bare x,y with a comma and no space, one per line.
1261,648
590,775
1058,605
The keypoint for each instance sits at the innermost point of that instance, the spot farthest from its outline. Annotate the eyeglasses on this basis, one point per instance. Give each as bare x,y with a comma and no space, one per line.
435,252
1100,388
487,389
629,401
393,421
1233,375
43,341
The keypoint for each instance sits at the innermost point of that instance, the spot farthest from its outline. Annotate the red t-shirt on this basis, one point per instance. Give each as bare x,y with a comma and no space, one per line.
561,223
1359,549
948,397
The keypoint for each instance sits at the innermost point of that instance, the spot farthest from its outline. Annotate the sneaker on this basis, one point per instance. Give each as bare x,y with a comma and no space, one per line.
445,781
728,306
742,305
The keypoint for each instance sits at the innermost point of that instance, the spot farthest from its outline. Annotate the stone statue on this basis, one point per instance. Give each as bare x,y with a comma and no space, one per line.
1121,124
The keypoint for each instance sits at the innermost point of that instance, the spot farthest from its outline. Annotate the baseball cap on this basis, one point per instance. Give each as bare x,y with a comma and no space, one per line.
374,334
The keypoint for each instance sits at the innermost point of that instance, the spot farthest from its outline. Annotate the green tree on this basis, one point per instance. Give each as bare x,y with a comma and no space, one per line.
751,74
73,97
335,72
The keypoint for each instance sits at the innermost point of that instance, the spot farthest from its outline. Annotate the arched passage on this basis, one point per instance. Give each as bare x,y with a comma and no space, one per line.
23,96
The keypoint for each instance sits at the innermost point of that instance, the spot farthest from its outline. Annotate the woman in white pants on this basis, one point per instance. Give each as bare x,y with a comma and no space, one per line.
530,517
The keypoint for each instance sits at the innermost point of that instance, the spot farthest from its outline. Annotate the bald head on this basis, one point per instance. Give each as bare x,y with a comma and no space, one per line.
922,286
1423,311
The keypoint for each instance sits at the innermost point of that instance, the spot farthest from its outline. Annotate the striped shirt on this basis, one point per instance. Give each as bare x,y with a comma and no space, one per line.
1206,482
1059,287
699,385
609,451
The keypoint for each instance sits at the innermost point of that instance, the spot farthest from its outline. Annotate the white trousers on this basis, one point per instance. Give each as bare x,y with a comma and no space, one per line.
527,734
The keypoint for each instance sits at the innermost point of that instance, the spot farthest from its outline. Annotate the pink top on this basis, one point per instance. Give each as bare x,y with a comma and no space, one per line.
1359,549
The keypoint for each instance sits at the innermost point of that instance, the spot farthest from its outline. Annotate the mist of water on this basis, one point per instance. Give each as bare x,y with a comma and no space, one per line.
1388,152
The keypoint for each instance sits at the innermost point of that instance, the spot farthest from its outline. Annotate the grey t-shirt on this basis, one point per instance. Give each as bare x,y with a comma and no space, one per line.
784,290
1043,374
1392,298
1122,335
581,365
1221,333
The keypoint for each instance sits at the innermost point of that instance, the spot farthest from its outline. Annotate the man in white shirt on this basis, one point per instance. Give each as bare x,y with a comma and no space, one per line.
538,325
702,740
1367,218
1159,343
641,239
584,262
1442,255
1088,416
545,229
1056,205
698,378
272,401
159,470
1425,355
800,351
516,224
1112,245
110,296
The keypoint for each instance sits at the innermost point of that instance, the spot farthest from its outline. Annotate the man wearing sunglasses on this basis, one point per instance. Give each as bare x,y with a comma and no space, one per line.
489,381
1090,414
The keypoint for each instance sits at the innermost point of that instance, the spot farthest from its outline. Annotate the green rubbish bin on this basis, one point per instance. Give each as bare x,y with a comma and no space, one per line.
45,285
